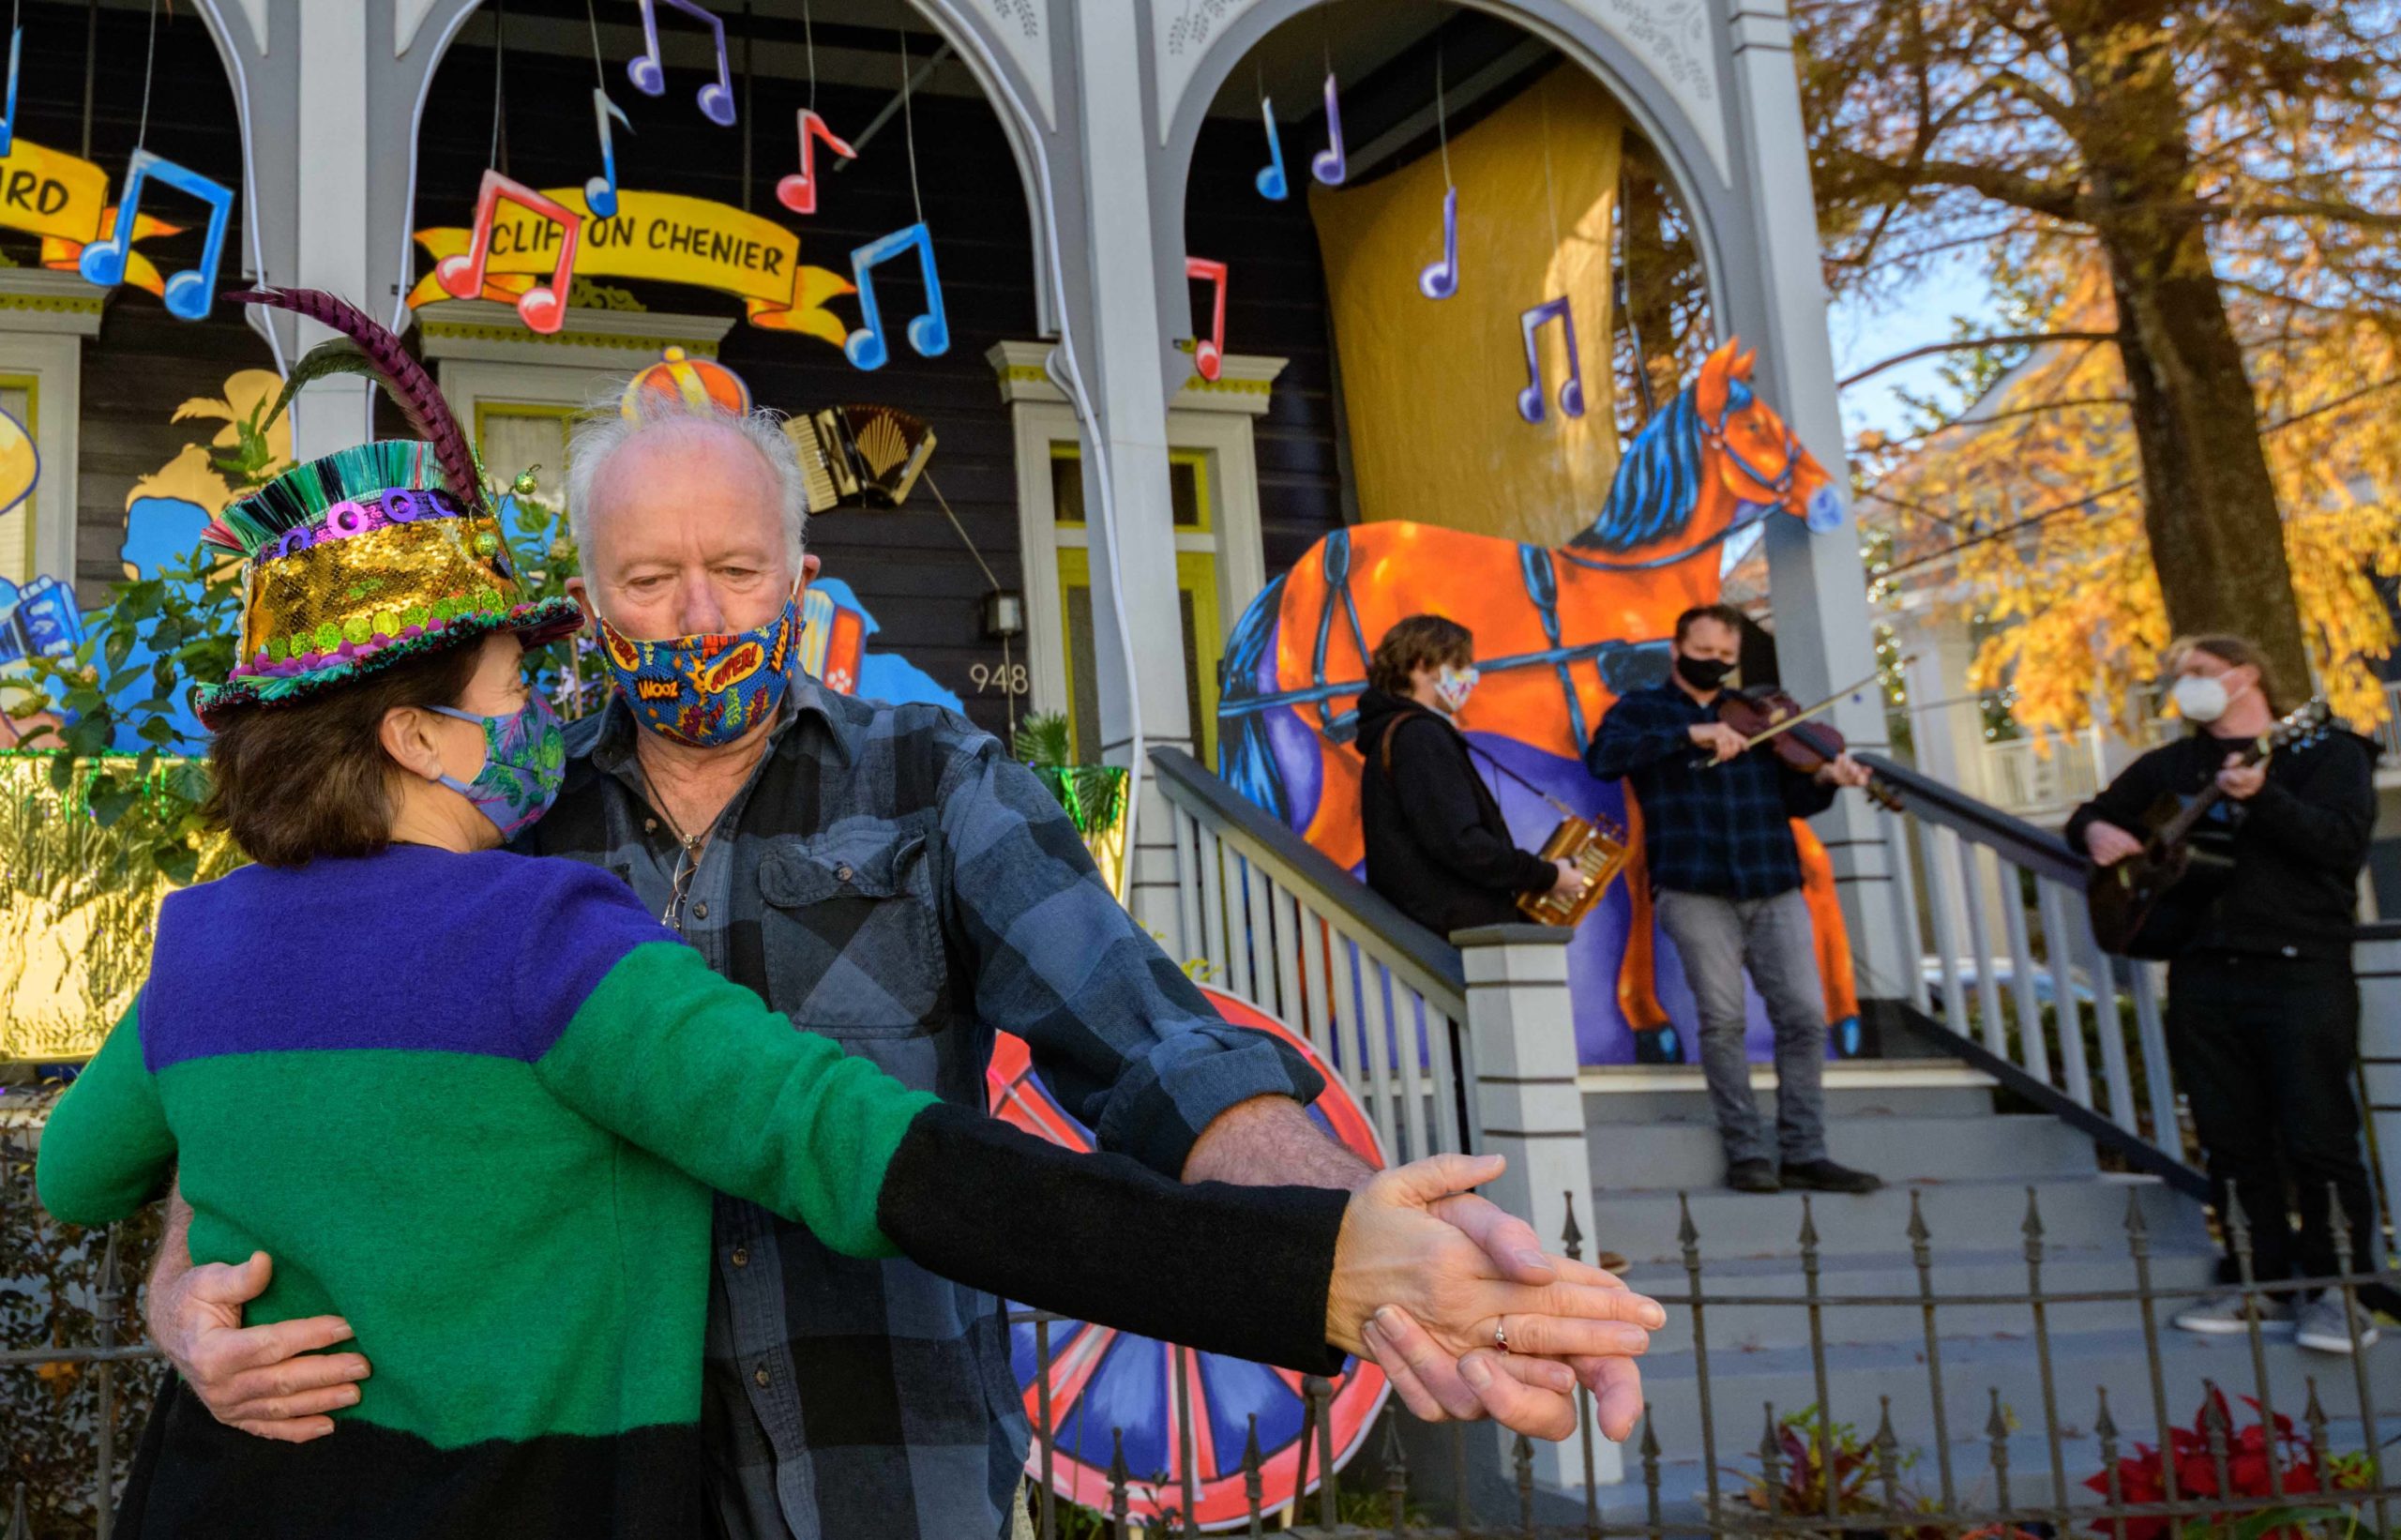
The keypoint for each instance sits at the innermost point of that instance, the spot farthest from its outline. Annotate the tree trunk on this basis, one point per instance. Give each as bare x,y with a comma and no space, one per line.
2209,503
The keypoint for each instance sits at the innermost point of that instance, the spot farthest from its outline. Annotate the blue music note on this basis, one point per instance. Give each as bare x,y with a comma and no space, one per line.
1329,165
600,193
8,123
649,74
1271,176
188,293
929,334
1571,390
1441,279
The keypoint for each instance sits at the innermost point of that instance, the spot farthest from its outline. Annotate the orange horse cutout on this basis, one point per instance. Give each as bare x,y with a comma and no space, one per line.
1560,634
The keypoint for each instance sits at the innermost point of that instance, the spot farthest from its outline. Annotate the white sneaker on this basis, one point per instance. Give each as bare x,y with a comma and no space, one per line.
2223,1315
2321,1326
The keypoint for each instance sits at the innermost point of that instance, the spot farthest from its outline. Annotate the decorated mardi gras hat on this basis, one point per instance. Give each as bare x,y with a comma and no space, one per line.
378,553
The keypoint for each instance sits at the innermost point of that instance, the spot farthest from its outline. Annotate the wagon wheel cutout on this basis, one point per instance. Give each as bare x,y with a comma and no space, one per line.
1102,1381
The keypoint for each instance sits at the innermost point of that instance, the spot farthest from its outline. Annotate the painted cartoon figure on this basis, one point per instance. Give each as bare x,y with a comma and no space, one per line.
1560,633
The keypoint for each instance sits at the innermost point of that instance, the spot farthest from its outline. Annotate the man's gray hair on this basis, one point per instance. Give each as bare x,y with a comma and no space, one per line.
603,428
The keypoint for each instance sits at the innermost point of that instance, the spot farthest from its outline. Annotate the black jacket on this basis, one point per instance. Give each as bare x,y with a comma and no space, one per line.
1436,846
2298,843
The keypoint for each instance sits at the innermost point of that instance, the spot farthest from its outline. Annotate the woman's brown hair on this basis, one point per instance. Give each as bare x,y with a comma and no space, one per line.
2235,652
296,780
1419,642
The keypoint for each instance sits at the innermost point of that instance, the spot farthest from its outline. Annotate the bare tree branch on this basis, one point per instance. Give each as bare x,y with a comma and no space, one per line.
1967,344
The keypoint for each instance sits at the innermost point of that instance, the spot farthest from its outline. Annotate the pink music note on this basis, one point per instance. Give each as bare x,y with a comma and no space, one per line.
542,308
1571,391
1209,352
649,74
798,192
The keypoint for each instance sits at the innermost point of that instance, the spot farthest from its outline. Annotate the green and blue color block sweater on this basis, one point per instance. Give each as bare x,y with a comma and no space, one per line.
475,1105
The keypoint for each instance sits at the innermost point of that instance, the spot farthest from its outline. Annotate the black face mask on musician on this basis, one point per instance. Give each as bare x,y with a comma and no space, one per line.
1703,673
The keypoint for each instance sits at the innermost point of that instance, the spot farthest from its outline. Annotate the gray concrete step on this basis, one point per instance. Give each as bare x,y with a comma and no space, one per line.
1743,1384
1684,1153
2088,1211
1895,1089
1996,1278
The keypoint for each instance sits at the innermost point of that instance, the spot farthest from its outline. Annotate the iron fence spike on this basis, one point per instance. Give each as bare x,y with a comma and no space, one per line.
1809,1237
2338,1225
2238,1226
2137,1228
2105,1427
1571,1237
1997,1425
1650,1446
1686,1235
2032,1227
1919,1234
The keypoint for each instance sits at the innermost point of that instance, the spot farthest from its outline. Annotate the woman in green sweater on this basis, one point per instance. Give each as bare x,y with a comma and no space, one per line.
540,1087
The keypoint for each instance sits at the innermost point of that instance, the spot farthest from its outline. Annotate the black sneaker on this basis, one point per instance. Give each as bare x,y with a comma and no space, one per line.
1825,1176
1752,1176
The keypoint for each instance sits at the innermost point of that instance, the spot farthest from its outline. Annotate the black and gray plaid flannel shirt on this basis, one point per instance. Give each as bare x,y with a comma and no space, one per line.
890,878
1721,829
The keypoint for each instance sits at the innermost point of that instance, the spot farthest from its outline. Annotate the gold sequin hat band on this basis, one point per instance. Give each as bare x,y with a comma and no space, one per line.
357,561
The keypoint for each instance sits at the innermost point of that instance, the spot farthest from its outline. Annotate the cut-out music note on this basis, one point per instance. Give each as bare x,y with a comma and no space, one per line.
1329,165
1571,392
929,334
1441,279
542,308
190,293
1271,176
649,74
8,123
600,193
798,192
1209,352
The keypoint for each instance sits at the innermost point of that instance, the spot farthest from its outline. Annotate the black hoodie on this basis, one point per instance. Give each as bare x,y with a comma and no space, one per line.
1436,846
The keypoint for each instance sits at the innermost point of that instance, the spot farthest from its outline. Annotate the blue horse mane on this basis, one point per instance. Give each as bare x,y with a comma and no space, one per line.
1658,482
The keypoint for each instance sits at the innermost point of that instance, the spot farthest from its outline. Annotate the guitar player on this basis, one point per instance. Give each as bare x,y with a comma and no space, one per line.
2263,1009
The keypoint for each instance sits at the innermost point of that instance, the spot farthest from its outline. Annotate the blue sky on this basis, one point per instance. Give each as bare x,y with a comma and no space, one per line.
1915,314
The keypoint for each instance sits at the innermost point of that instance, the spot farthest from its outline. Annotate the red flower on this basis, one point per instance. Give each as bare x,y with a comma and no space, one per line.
2142,1479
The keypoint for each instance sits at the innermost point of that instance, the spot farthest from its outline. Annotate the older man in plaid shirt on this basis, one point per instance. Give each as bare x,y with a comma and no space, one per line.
887,876
1717,839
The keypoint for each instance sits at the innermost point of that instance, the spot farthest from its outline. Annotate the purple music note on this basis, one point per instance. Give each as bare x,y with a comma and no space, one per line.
1571,392
1329,165
1441,279
649,74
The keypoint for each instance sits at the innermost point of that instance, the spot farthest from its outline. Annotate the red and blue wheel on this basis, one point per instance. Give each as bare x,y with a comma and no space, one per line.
1104,1381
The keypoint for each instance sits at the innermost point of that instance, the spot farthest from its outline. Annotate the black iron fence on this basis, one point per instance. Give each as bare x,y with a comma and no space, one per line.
2268,1441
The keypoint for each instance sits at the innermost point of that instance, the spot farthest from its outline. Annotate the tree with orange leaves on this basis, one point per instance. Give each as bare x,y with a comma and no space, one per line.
2200,200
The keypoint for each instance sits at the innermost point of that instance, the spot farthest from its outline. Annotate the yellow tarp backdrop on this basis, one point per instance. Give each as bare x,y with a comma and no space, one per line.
1430,386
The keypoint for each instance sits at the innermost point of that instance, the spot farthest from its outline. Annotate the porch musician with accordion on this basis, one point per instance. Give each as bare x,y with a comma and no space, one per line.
1437,845
2242,845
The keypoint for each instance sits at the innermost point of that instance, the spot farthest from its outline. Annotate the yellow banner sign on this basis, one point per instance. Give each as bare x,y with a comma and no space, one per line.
664,236
64,200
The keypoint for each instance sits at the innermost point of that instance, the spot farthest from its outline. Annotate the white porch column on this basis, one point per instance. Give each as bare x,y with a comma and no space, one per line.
1817,582
1524,1032
1119,339
333,225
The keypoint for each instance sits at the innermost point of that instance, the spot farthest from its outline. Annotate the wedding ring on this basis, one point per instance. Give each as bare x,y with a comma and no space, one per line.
1500,1333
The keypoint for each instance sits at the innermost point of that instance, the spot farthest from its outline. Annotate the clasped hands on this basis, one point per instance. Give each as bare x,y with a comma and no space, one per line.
1428,1281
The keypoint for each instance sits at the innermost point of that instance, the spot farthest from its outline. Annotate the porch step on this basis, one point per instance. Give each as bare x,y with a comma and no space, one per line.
1997,1277
1743,1384
1642,1225
1675,1153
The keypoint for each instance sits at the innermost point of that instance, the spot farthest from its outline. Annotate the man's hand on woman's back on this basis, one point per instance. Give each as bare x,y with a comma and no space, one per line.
274,1380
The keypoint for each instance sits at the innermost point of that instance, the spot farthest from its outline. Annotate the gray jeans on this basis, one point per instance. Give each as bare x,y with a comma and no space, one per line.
1718,938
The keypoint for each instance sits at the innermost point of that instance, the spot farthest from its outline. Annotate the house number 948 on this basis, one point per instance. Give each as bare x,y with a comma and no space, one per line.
1008,678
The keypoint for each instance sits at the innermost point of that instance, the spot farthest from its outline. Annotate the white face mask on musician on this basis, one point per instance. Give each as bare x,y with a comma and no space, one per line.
1453,687
2201,697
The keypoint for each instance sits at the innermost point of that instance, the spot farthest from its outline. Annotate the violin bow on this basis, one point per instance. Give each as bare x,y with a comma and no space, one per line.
1799,716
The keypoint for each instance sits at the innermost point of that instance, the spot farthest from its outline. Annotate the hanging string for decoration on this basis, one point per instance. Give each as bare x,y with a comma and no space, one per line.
1441,279
599,69
808,42
498,158
749,32
1549,197
909,130
149,66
